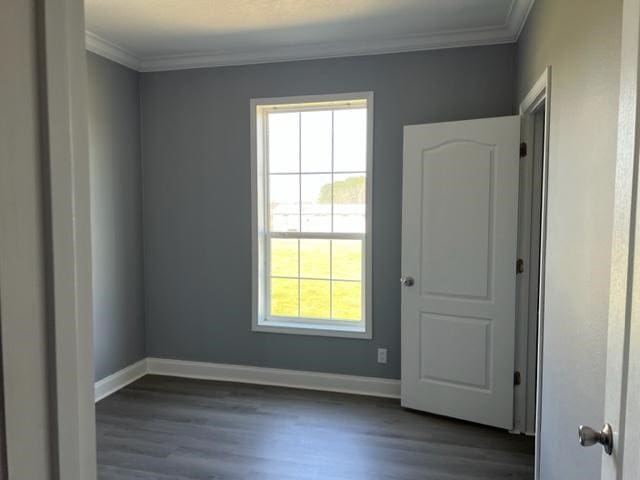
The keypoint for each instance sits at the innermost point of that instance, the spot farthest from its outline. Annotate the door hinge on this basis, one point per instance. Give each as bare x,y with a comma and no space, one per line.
516,378
520,266
523,150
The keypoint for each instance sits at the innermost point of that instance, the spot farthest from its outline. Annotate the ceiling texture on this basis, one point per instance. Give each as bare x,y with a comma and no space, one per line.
150,35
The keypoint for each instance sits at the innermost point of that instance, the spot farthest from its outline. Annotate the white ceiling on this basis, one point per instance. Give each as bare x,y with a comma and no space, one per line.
169,34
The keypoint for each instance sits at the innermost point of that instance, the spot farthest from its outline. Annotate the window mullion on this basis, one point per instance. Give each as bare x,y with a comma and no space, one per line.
299,286
318,235
332,227
342,172
300,171
299,203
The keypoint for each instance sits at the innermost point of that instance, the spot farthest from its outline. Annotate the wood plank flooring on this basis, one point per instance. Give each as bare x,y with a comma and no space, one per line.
181,429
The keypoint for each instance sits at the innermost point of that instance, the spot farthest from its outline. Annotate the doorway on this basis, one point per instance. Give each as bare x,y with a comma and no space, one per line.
534,112
528,268
526,273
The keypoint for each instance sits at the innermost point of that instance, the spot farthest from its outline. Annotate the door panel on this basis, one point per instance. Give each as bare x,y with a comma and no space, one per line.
447,366
459,234
464,274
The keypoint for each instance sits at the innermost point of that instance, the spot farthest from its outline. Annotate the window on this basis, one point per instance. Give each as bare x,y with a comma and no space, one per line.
311,214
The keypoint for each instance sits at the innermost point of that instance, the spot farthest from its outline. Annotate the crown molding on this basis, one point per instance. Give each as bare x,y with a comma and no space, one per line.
509,32
327,50
100,46
520,10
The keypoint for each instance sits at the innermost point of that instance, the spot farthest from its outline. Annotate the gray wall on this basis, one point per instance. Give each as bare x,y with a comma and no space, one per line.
197,208
116,215
580,39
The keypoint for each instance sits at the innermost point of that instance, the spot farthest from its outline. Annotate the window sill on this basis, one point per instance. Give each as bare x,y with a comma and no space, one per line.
294,328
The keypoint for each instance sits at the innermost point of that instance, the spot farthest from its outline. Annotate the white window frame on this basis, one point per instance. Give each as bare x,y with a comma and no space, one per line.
260,268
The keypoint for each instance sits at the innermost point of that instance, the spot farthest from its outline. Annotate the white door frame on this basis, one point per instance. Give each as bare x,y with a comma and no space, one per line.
539,94
67,161
622,387
22,310
56,284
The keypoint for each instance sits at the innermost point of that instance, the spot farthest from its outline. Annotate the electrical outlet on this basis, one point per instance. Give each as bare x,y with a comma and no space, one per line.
382,355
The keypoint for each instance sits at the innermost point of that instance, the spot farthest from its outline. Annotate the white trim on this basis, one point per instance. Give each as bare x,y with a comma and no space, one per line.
508,32
65,151
325,382
518,17
98,45
539,93
259,322
329,382
317,329
45,248
329,50
527,285
286,102
28,437
120,379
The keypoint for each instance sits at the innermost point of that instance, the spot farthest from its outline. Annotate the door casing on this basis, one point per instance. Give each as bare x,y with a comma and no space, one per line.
539,95
45,247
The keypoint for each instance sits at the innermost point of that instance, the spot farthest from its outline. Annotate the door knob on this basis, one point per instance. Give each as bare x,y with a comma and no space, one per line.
407,281
588,436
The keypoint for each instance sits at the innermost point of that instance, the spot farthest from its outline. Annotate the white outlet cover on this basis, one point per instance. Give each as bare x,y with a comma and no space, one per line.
382,355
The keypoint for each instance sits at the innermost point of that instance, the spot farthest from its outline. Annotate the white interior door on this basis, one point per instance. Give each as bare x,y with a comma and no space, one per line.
459,238
622,385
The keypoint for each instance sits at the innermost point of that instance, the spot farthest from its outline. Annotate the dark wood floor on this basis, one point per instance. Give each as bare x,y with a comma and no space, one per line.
169,428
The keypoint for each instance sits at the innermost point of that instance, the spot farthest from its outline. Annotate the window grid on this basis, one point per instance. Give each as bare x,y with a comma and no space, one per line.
339,172
330,278
311,236
299,235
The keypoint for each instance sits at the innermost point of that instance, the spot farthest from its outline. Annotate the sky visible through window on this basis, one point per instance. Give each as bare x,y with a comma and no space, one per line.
316,164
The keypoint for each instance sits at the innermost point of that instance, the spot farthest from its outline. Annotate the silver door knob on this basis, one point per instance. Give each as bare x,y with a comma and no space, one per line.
407,281
588,436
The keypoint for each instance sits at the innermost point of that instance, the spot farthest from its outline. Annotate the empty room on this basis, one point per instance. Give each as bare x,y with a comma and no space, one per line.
319,239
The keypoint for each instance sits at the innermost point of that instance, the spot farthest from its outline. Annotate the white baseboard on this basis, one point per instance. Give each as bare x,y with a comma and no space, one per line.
120,379
329,382
378,387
